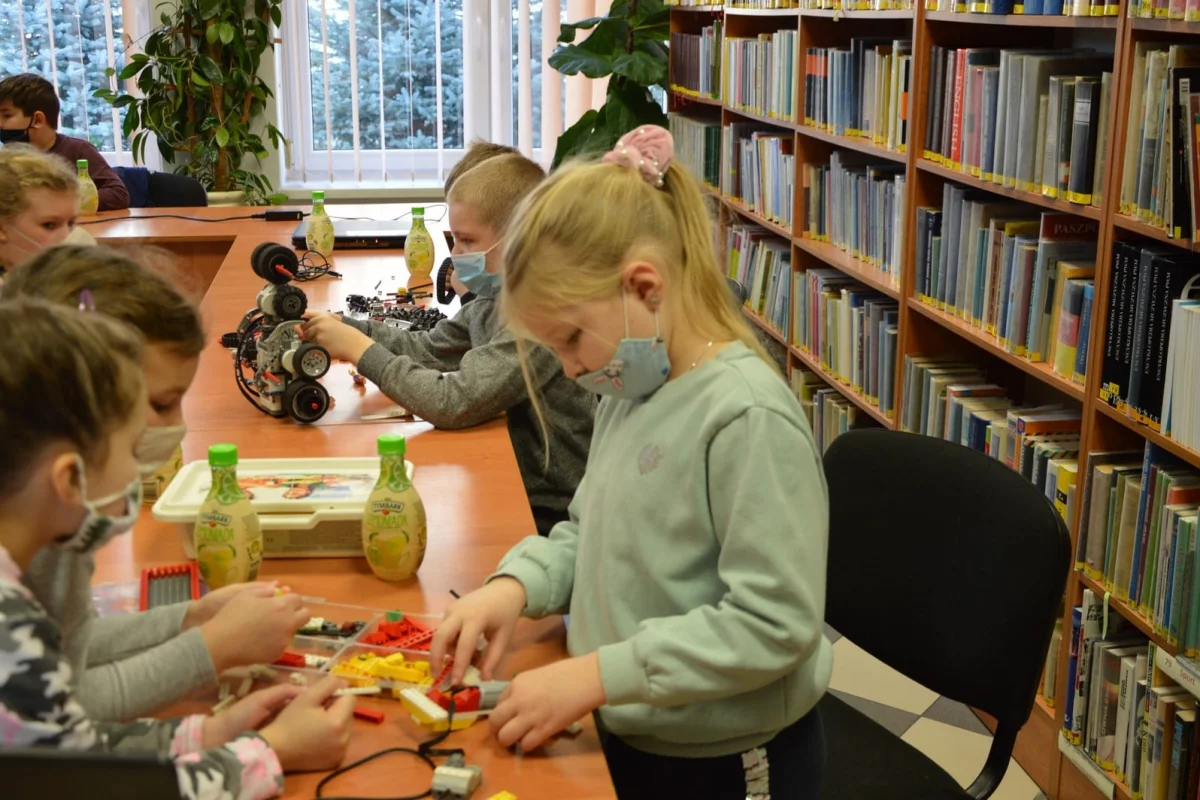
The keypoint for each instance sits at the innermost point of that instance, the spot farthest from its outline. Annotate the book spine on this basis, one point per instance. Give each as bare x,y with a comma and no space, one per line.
1083,144
1085,333
1149,275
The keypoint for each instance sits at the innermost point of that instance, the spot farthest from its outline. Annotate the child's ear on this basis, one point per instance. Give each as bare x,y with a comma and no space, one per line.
66,480
644,280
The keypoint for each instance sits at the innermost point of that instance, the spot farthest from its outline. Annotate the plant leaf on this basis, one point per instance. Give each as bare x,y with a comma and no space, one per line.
276,15
199,79
108,73
573,136
130,69
124,100
212,31
209,8
210,69
571,59
640,67
131,122
566,33
630,106
227,33
222,137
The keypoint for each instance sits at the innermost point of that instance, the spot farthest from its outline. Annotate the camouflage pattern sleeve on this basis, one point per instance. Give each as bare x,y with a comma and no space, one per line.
38,709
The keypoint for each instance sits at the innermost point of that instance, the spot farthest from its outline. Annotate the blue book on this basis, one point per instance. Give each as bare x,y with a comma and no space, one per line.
1000,7
1053,8
1085,332
1154,457
1034,6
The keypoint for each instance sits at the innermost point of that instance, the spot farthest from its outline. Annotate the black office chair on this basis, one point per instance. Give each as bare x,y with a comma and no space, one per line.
168,189
739,292
949,567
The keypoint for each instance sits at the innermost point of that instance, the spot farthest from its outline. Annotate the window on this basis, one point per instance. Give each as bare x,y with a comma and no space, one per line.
376,91
71,43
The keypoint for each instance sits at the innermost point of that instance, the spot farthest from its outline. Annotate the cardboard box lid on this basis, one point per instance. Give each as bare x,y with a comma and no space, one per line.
287,493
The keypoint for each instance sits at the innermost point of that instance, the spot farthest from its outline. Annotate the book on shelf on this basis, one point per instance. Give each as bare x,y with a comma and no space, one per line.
828,412
1013,117
762,263
860,91
1158,182
696,61
759,170
858,207
1181,390
1147,286
1050,673
1083,8
758,74
698,147
849,330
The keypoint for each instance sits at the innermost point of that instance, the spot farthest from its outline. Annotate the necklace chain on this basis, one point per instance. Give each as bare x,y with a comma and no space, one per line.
703,353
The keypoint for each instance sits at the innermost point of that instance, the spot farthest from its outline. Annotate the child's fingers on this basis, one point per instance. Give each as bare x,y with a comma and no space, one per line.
496,648
320,693
446,633
514,730
535,738
501,714
465,649
274,699
342,708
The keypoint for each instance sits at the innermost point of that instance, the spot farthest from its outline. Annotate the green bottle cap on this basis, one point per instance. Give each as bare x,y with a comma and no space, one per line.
318,195
82,163
391,444
223,455
418,212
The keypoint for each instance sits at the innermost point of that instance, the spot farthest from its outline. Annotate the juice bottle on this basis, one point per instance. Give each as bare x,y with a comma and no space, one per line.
229,538
318,234
418,247
89,198
394,520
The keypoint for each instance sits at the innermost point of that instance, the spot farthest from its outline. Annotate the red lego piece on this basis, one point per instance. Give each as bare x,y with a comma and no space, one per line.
414,641
439,698
377,638
444,678
369,714
290,660
467,699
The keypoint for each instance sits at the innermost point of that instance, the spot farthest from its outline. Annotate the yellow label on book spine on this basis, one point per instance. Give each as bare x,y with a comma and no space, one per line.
901,148
927,155
973,171
956,166
1077,197
987,176
978,8
991,328
1018,8
1111,10
1026,186
1097,11
1192,16
1049,191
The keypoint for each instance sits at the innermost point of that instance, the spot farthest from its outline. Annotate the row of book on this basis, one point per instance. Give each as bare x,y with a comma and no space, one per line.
858,207
861,91
1053,8
759,170
828,411
1150,370
696,62
858,5
1023,279
759,75
1139,537
1158,177
698,147
850,330
1031,120
1188,10
762,263
953,400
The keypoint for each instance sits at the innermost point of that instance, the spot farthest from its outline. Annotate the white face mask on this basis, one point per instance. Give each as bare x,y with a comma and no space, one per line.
156,447
98,528
79,236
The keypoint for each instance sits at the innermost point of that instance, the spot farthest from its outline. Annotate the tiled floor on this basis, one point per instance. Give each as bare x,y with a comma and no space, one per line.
946,731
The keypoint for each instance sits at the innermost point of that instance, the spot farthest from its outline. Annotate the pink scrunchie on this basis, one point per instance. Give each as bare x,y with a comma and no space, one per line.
648,149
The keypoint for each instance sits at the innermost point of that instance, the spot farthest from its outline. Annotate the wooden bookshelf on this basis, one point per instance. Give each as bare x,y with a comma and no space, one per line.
1165,442
1039,705
1040,370
924,330
1051,203
766,327
852,143
846,389
1128,612
844,262
696,9
1023,20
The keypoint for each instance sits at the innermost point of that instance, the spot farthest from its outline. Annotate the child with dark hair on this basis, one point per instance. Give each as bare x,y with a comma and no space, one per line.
29,111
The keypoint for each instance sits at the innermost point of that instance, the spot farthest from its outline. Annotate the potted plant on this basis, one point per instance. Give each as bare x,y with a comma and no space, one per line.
628,44
202,97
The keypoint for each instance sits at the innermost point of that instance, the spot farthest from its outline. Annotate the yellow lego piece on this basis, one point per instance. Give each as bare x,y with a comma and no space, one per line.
503,796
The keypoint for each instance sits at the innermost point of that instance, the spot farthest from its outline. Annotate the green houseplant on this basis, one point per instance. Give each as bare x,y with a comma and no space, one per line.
201,94
627,44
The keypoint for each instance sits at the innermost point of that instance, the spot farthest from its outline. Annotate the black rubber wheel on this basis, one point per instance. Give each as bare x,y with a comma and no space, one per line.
305,401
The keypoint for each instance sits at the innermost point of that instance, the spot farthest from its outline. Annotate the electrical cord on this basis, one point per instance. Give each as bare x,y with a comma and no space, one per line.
170,216
426,751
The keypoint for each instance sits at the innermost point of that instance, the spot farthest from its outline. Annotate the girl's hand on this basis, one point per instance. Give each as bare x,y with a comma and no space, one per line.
248,714
311,733
202,610
492,611
253,629
342,341
541,702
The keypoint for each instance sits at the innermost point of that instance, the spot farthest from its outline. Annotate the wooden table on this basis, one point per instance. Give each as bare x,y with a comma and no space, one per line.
469,481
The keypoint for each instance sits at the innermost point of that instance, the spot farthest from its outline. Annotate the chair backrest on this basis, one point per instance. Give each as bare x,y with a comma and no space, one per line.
945,564
739,292
168,189
52,774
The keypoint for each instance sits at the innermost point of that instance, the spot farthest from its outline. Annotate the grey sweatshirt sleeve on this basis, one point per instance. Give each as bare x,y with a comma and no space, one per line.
487,383
770,511
440,348
149,681
113,638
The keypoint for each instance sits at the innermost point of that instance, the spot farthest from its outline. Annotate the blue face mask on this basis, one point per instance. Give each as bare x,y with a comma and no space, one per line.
637,369
471,269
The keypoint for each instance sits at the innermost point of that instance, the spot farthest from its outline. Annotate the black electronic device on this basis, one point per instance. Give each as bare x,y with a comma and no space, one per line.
48,773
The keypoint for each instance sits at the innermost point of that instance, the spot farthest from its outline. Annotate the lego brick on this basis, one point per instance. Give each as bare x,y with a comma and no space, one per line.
368,714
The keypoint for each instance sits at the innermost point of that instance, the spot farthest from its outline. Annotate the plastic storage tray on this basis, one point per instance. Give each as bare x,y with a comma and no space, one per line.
308,507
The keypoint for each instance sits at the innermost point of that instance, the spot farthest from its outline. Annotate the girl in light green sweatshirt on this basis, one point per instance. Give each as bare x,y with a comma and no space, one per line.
693,562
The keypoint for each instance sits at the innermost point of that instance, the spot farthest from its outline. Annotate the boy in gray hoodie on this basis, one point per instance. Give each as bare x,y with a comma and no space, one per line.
466,370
